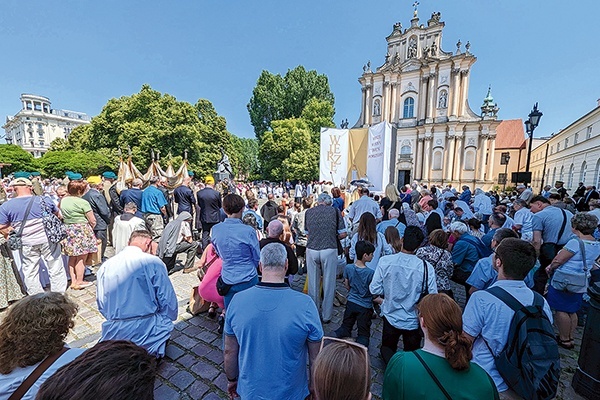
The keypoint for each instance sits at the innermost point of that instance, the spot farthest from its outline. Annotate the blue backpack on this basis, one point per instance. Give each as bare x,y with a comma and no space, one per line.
529,363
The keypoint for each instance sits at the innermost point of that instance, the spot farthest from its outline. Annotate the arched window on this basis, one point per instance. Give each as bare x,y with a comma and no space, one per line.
597,180
583,172
562,174
553,176
470,159
409,108
437,160
570,180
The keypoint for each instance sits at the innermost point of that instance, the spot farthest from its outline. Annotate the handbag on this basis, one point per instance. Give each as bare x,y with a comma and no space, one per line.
432,375
222,287
197,304
340,248
14,239
549,250
55,229
424,286
572,282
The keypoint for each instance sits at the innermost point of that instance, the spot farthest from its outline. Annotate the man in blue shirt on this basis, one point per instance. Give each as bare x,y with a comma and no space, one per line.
266,323
465,253
496,221
466,194
392,221
153,208
133,195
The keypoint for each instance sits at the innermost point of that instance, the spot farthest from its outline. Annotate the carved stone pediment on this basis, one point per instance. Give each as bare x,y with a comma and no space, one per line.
411,65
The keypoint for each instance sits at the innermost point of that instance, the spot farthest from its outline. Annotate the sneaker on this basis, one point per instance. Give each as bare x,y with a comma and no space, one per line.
340,298
336,302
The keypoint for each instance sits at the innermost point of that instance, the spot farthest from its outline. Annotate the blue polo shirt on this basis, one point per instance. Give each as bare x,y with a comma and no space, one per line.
152,200
237,245
273,325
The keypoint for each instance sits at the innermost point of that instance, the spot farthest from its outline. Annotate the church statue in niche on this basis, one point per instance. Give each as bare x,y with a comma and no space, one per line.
412,48
443,101
377,108
433,49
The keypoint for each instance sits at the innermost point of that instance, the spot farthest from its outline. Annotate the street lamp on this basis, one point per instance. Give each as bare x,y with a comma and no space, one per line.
530,125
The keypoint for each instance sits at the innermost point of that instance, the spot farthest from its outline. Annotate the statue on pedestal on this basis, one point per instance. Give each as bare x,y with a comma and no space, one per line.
224,166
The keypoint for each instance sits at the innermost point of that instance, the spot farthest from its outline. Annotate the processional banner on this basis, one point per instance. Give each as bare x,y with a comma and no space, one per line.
333,164
378,155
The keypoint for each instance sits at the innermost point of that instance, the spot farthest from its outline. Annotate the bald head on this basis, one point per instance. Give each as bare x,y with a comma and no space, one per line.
275,228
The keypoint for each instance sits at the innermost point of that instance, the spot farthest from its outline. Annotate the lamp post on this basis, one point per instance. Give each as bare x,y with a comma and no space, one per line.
530,125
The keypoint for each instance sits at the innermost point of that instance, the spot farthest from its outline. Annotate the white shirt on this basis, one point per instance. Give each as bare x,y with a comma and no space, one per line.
399,277
524,217
122,230
487,317
482,204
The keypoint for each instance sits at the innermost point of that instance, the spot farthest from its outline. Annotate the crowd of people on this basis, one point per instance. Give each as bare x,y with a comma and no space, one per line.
397,253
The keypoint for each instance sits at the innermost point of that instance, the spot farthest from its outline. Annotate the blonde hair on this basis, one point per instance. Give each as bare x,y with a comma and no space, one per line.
391,192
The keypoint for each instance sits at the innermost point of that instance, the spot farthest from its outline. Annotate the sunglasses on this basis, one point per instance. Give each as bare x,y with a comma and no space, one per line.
329,340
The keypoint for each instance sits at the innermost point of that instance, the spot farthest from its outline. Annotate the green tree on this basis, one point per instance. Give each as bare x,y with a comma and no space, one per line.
284,151
19,159
276,98
150,120
318,114
245,158
56,163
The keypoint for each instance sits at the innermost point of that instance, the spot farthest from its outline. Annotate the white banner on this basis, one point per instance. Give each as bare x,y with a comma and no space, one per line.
379,156
333,165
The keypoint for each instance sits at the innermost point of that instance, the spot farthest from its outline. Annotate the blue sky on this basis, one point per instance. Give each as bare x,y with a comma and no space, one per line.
82,53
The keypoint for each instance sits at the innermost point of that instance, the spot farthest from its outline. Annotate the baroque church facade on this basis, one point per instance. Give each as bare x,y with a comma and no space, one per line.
422,91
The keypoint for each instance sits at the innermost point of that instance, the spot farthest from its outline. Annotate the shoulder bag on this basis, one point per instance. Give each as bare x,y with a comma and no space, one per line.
14,238
340,248
424,285
35,374
549,250
572,282
55,229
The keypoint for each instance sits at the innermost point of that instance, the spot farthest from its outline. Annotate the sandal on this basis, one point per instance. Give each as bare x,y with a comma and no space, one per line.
566,344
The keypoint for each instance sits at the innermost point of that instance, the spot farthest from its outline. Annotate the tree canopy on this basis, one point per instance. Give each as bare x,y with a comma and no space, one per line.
19,159
150,120
275,97
55,163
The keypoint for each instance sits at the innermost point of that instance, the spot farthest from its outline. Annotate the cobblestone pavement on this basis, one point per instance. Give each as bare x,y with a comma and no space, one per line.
193,366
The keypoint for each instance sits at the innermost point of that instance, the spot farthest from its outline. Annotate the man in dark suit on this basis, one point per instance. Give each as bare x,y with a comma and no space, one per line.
209,202
101,210
583,204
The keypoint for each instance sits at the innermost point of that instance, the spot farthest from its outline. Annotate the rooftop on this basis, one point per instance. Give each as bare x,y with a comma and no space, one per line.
510,134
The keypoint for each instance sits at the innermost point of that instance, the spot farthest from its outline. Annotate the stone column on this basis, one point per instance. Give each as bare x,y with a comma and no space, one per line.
481,163
394,106
458,167
431,97
464,85
419,159
368,105
421,111
385,115
449,155
455,92
427,158
364,101
490,174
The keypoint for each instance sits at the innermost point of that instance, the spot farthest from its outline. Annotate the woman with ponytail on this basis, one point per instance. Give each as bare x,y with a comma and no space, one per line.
442,369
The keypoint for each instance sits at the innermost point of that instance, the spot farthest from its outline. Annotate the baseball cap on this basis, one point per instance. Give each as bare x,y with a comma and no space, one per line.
21,182
94,179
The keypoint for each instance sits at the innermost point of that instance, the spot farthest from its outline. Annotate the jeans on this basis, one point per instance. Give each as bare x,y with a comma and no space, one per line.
362,317
322,263
238,287
390,336
50,253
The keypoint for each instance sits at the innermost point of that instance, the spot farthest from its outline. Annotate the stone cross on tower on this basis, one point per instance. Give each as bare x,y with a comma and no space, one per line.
415,5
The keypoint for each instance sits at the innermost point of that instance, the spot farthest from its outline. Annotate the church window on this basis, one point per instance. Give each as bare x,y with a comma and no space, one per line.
576,138
583,172
409,108
437,160
469,160
570,180
562,174
589,131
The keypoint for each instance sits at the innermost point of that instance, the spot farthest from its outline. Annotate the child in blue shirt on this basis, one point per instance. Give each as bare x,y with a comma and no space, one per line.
359,309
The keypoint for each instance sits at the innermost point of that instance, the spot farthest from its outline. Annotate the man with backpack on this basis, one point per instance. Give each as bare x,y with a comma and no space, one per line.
511,327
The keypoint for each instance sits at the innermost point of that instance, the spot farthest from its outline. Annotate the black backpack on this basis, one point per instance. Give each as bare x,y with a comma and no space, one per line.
529,363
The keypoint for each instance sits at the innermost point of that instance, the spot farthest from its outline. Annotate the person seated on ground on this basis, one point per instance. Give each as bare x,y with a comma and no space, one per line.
115,370
124,225
342,372
274,233
210,270
399,279
176,239
136,297
444,362
359,308
394,221
33,330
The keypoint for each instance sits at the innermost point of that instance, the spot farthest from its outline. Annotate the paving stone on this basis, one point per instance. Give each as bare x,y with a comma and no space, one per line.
205,370
197,389
173,352
201,349
165,392
185,341
192,331
215,356
212,396
206,336
167,369
187,360
221,382
182,379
